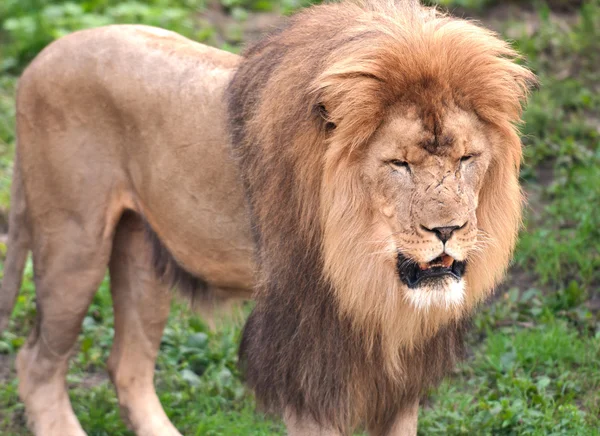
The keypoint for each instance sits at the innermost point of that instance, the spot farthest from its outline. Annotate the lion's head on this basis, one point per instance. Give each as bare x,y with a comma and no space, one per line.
378,147
419,201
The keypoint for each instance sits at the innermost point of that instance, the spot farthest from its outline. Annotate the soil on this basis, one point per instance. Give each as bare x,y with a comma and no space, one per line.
6,368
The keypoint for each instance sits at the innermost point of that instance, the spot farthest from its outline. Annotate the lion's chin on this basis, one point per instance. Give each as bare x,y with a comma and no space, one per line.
443,293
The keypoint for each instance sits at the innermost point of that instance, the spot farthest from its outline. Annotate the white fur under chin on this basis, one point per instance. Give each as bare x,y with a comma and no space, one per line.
448,295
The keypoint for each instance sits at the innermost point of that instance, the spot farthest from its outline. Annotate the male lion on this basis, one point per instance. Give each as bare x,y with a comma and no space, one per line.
375,146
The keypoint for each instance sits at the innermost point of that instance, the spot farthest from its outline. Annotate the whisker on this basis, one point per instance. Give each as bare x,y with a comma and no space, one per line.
376,253
386,239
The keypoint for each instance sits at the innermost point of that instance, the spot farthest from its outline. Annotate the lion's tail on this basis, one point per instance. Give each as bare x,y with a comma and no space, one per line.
18,247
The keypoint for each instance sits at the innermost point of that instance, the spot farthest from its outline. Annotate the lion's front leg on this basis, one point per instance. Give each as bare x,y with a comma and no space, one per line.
304,426
405,423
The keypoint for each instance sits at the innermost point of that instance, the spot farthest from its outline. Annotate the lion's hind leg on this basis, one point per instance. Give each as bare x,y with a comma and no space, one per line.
70,263
141,304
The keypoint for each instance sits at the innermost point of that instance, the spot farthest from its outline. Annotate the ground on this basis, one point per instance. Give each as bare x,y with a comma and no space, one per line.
534,362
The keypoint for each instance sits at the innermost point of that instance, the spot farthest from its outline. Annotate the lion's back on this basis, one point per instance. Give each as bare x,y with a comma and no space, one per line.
135,114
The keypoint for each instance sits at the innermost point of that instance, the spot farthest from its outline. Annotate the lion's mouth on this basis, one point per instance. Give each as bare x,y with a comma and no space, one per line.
413,273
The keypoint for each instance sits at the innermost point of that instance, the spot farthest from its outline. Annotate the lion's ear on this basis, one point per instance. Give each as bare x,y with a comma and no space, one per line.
324,118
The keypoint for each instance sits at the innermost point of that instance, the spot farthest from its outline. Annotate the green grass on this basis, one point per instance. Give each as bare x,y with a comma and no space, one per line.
535,351
562,135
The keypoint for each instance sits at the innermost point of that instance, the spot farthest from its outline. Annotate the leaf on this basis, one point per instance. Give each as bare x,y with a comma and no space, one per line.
190,377
86,344
543,383
197,340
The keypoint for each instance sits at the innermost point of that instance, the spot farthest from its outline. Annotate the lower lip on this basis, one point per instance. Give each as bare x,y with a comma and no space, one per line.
433,275
413,279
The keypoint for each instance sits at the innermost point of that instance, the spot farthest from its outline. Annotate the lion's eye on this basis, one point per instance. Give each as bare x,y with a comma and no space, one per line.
466,158
400,164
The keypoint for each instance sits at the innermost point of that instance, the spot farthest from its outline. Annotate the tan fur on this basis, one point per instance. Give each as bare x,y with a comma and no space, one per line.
125,125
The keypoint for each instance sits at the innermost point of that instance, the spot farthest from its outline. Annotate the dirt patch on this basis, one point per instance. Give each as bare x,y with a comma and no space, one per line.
518,277
498,15
91,380
3,220
7,368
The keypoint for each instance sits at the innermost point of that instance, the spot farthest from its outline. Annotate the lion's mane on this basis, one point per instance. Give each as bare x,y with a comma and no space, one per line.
330,336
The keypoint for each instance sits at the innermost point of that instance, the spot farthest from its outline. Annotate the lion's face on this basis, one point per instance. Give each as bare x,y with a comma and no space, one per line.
409,213
425,187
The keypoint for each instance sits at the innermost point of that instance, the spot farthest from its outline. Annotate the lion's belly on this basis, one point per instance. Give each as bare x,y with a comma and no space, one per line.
189,191
198,211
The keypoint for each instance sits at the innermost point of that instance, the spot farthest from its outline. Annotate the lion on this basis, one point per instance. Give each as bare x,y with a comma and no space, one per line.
355,172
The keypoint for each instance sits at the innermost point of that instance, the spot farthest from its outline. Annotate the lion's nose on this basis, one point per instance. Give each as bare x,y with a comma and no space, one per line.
443,233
